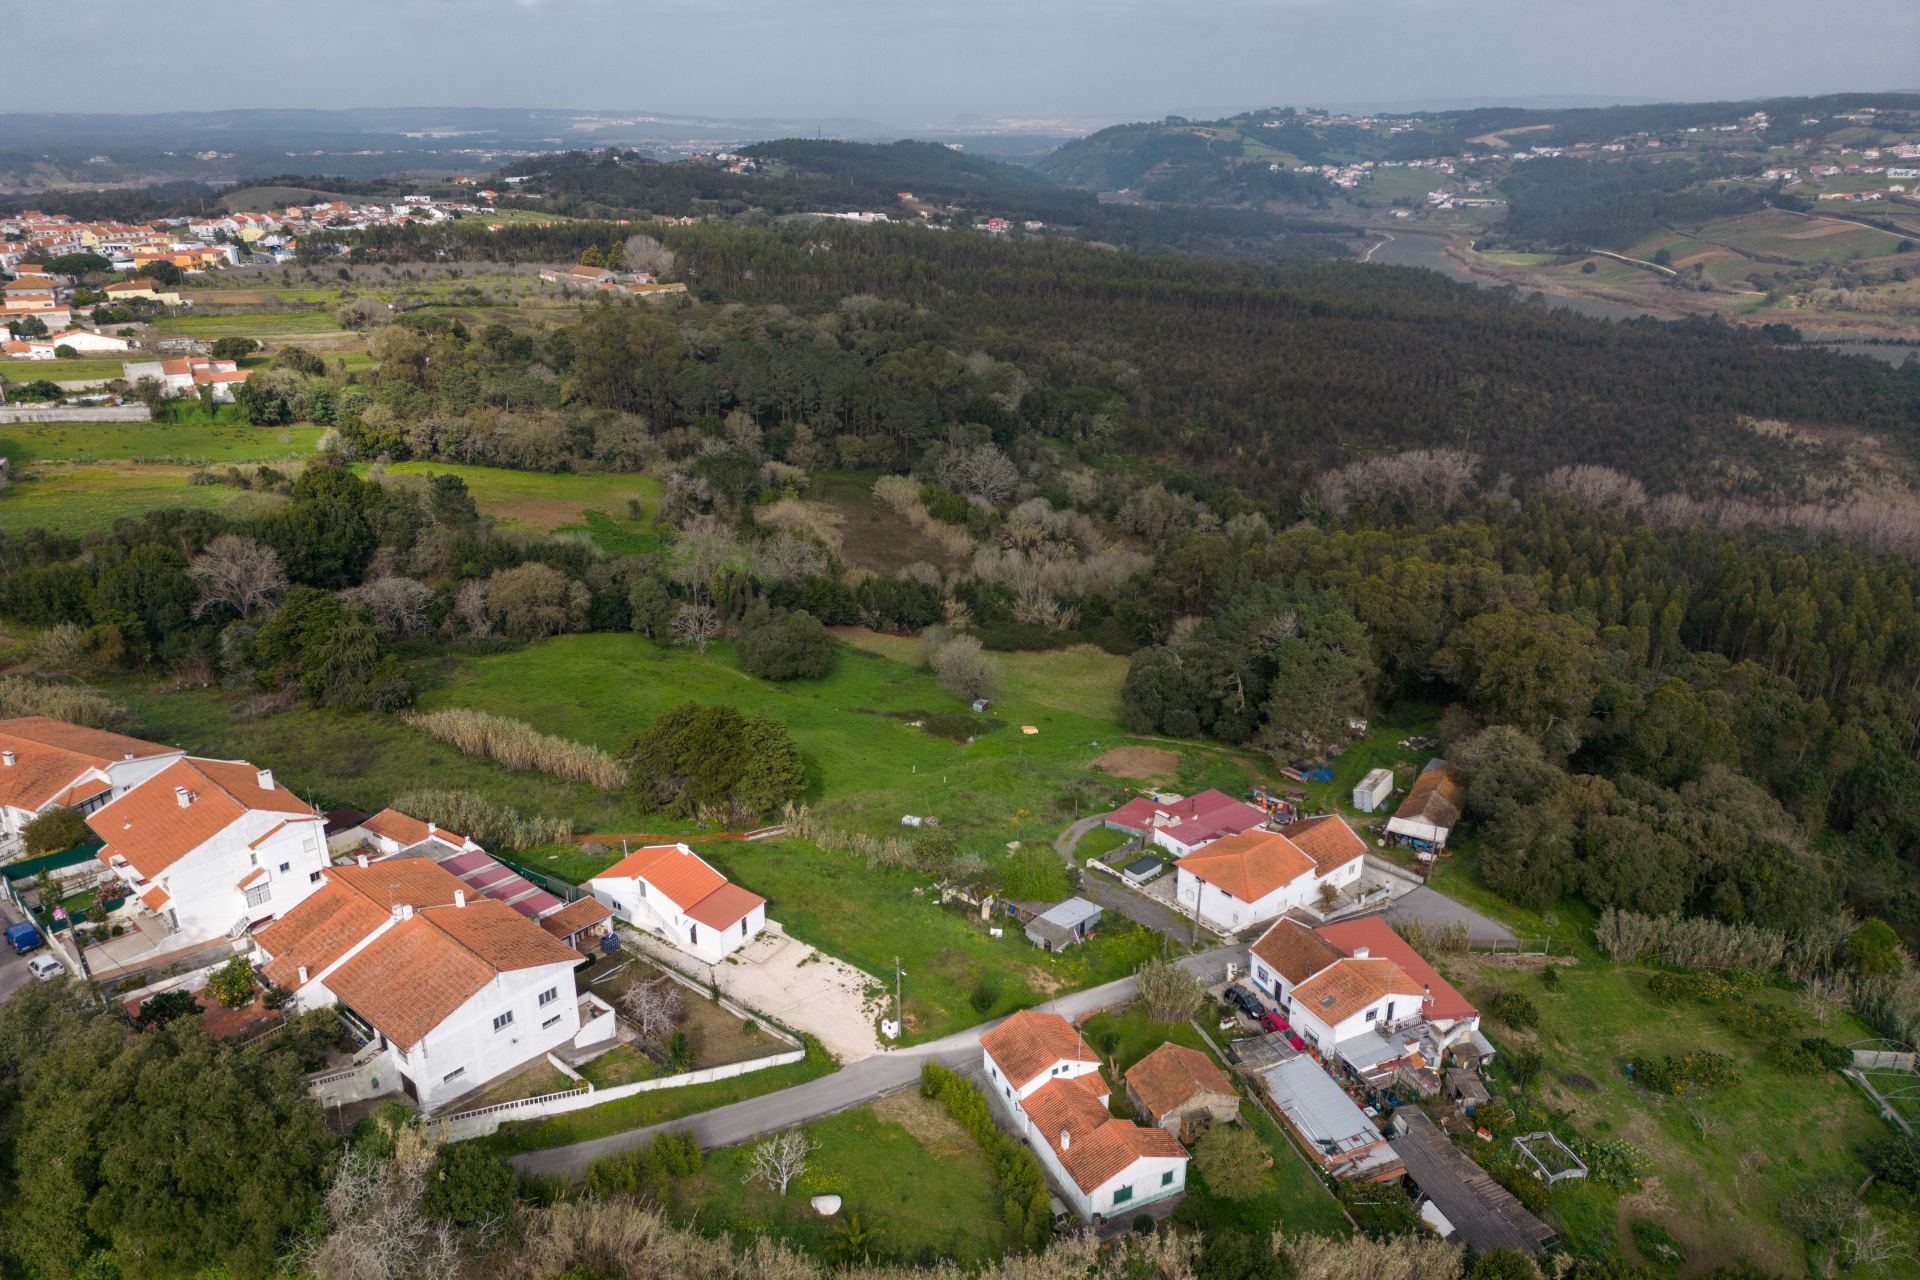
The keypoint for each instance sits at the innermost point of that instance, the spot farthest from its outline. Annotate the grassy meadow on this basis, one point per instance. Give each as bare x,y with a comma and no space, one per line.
555,503
26,442
84,498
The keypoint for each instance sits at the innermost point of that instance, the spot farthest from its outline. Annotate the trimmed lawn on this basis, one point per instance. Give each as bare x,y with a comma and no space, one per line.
657,1107
1295,1196
1098,841
901,1164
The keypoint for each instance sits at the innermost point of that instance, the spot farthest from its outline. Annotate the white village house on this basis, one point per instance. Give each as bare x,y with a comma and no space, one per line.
1049,1081
1242,880
456,991
48,764
670,890
213,847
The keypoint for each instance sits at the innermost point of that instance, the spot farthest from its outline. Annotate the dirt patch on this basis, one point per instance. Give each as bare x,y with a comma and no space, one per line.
541,513
1138,762
926,1121
1042,981
1824,229
1527,964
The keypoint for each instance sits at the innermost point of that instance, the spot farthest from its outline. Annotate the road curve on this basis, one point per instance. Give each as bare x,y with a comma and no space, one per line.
851,1086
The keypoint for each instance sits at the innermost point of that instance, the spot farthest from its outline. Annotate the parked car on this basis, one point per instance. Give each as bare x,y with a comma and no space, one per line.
46,968
1299,1045
1240,998
23,937
1272,1021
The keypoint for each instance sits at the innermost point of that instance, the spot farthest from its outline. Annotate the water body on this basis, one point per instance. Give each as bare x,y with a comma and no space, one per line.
1426,251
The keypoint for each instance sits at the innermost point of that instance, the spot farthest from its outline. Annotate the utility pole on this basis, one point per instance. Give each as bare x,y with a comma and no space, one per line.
897,1015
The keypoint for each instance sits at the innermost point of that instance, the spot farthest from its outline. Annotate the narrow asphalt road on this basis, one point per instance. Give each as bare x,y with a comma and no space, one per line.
851,1086
1108,896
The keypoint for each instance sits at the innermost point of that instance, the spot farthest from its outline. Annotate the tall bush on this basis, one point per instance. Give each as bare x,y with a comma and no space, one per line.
519,745
1016,1171
474,817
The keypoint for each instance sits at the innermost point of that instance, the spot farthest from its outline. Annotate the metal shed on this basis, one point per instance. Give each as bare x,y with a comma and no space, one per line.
1373,790
1063,924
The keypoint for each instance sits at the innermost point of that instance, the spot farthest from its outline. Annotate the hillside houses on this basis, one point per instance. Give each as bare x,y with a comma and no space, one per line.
47,764
1048,1080
1244,880
671,891
185,375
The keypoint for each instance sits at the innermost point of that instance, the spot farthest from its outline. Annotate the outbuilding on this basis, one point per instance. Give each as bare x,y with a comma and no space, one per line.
1373,791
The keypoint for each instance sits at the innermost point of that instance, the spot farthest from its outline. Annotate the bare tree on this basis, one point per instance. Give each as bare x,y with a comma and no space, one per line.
695,624
778,1161
699,553
379,1230
1871,1242
655,1008
1823,996
1704,1122
982,472
398,605
964,671
785,558
470,606
1170,993
238,572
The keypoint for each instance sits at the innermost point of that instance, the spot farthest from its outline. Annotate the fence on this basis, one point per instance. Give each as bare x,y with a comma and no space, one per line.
53,861
106,413
565,890
484,1120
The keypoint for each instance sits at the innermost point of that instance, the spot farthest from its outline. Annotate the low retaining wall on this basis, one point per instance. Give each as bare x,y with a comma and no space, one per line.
105,413
485,1120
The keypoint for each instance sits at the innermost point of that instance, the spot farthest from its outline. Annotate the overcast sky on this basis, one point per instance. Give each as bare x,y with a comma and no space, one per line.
919,63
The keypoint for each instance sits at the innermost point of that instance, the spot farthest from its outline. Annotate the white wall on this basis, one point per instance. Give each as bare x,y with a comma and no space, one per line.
205,902
1143,1177
648,908
465,1042
1011,1098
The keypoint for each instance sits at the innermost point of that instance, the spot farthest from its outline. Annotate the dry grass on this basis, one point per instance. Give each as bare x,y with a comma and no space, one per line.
903,495
22,696
1138,762
519,745
804,519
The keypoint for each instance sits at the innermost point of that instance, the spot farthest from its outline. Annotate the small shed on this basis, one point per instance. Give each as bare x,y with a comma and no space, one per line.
1063,924
1180,1089
1142,869
1373,790
1465,1088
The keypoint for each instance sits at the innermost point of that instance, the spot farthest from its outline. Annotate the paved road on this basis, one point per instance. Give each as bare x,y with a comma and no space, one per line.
851,1086
1430,906
1096,887
13,969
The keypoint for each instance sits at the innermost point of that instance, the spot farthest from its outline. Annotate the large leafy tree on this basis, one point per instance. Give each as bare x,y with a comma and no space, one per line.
695,757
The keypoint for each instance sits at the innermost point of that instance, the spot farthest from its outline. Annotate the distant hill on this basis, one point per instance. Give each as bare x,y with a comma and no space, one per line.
928,169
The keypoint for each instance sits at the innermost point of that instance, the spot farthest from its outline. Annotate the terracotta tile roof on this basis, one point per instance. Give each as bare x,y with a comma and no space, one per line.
675,870
156,898
574,917
1029,1043
1328,840
501,936
410,978
1097,1145
319,931
1173,1073
49,757
1378,937
1435,798
150,829
82,791
1345,988
1250,865
725,906
1294,951
394,825
257,873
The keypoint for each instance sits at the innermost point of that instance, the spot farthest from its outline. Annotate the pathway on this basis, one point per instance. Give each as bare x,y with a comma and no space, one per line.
852,1086
1107,894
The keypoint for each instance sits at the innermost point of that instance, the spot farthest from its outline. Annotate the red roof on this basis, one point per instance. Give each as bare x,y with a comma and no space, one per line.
1091,1143
1193,819
1379,939
1029,1043
687,881
151,829
1327,839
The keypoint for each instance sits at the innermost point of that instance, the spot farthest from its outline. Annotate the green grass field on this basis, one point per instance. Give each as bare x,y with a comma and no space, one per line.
252,326
902,1165
80,370
554,503
83,499
1294,1198
64,441
1082,679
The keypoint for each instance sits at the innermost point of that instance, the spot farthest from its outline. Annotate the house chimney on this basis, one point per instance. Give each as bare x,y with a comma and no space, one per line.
6,758
1066,1140
182,795
1359,953
432,828
399,913
363,859
459,897
303,975
127,756
266,779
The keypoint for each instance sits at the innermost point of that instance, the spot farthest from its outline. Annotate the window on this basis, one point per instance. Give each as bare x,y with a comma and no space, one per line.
312,845
257,896
399,1053
643,887
549,1022
548,996
1122,1194
1372,1014
504,1020
253,859
286,866
743,928
314,878
1166,1179
693,934
453,1075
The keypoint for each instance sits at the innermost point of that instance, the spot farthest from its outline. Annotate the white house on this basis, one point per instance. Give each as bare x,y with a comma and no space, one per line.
47,764
395,834
456,992
1242,880
88,340
670,890
1049,1081
213,847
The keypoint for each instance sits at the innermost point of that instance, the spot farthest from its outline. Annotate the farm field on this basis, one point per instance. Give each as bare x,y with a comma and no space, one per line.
77,499
553,503
81,370
36,442
901,1164
1404,184
250,325
1082,679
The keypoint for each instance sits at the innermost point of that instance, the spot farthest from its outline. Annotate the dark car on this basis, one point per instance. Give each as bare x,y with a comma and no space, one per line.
1239,997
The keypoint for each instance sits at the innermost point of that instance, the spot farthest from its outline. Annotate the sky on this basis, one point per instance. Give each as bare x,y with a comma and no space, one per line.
921,63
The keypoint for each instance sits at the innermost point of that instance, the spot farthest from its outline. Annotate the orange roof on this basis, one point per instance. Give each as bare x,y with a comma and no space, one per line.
156,898
51,757
1435,798
1344,989
576,916
395,825
1250,865
1378,937
1029,1043
1294,951
1173,1073
1096,1146
725,906
256,874
152,831
675,870
1328,840
410,978
319,931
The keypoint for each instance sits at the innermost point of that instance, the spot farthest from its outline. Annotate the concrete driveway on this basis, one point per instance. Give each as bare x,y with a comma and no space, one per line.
854,1085
1109,895
1431,907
